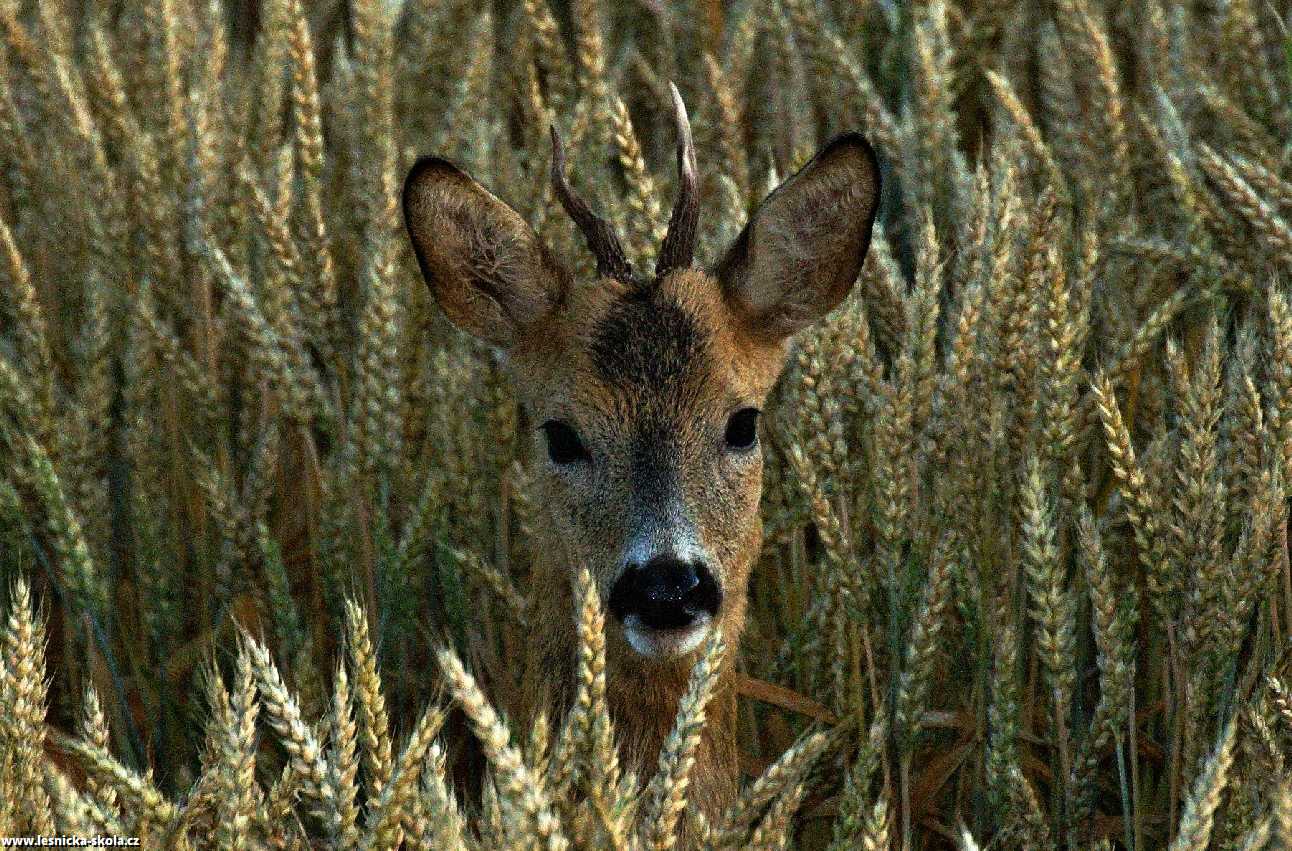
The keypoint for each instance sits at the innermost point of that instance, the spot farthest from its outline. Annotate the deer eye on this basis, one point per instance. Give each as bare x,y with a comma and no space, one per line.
742,429
563,444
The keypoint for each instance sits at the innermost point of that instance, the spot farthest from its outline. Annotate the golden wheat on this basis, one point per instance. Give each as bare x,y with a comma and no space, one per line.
1025,511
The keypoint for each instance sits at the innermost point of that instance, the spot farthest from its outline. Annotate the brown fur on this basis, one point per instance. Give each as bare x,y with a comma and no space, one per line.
648,375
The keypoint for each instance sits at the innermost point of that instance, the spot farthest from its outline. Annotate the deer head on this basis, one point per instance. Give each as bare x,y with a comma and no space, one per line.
647,388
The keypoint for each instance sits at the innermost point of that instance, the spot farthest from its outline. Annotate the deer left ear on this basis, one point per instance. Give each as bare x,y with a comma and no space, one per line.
484,264
800,253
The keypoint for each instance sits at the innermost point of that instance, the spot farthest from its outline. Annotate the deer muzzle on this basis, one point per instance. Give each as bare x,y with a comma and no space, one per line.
666,604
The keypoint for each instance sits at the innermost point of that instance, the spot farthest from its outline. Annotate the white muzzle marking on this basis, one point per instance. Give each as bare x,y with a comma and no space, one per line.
665,643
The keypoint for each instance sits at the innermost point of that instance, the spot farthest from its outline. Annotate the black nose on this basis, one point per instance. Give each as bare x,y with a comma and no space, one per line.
665,593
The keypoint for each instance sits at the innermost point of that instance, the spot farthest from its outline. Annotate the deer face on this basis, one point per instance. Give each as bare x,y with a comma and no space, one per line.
647,393
649,452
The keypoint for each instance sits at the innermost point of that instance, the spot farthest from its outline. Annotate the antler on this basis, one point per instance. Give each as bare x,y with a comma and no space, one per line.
678,247
611,260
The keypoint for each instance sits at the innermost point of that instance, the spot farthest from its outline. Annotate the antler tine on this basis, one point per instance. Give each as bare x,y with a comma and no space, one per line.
678,248
601,239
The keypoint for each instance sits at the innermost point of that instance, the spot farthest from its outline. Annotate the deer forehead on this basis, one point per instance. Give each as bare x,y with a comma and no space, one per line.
654,355
649,343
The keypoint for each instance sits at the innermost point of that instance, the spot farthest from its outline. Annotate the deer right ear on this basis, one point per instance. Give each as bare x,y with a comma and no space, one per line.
802,249
484,264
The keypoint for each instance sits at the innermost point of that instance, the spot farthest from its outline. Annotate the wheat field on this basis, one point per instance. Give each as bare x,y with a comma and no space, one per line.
264,515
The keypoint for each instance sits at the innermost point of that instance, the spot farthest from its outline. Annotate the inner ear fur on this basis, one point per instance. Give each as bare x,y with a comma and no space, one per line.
801,252
484,264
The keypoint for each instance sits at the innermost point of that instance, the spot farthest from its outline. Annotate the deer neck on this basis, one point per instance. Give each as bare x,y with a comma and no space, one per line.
644,702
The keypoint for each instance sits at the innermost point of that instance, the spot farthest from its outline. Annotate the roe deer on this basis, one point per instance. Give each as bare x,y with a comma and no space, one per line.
647,389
